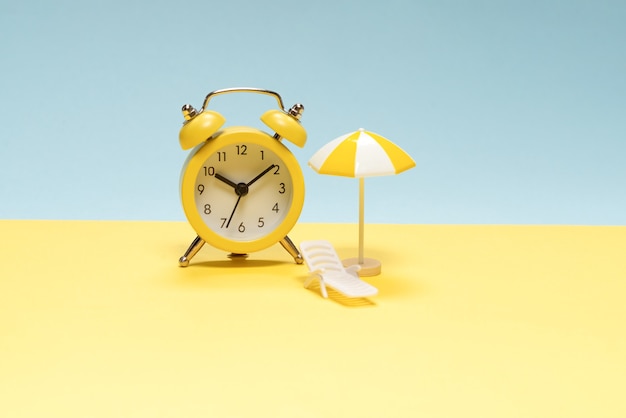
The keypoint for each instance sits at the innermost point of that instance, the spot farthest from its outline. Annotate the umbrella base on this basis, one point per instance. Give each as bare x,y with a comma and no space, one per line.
370,267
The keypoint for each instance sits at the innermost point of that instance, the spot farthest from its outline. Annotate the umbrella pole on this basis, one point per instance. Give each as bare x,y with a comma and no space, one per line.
369,266
361,218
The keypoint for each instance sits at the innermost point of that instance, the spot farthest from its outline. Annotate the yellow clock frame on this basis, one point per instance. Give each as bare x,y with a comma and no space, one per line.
201,132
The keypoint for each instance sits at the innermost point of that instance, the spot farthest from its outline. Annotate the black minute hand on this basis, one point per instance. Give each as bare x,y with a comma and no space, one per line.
261,175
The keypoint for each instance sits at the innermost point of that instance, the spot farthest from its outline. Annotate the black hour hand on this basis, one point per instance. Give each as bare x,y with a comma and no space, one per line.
225,180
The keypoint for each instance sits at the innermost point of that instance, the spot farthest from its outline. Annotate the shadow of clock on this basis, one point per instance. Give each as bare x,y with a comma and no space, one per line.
236,273
239,263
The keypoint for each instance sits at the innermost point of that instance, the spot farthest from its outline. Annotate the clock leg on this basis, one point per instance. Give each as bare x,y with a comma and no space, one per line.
291,249
193,249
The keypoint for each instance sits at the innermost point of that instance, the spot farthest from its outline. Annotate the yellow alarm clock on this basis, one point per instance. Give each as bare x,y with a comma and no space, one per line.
242,190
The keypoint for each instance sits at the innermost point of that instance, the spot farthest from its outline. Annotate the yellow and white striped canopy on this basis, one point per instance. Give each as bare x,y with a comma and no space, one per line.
361,154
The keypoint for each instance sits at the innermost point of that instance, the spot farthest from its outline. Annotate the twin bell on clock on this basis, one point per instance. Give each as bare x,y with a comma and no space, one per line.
242,190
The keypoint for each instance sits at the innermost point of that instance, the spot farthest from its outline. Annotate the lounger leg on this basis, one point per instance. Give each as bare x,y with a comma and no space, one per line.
292,249
323,288
191,251
308,281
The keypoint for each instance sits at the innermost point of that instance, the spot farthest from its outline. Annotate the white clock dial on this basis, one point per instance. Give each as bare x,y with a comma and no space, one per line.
243,191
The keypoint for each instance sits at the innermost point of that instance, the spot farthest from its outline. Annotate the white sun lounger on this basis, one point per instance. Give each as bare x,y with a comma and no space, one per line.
324,264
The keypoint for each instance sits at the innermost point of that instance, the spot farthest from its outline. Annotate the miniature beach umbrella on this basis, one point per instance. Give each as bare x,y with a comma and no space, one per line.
361,154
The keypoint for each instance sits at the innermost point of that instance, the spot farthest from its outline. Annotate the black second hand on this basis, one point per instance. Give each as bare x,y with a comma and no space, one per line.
233,212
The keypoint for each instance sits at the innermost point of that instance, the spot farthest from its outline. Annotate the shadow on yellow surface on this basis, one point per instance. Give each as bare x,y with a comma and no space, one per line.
337,297
238,264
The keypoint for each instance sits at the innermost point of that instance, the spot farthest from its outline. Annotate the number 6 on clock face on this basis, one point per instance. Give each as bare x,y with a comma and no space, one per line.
242,191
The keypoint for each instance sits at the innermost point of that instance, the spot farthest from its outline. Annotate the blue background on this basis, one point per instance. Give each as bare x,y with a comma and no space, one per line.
514,111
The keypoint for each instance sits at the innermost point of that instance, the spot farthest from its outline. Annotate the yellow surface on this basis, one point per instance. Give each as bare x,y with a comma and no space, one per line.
97,320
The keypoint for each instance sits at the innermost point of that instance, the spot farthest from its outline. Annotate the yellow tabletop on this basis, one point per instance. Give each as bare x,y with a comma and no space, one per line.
98,320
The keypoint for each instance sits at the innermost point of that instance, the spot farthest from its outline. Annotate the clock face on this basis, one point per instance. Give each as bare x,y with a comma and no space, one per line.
243,191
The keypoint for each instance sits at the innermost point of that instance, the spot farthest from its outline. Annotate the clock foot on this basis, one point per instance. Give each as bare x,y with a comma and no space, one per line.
237,256
292,249
193,249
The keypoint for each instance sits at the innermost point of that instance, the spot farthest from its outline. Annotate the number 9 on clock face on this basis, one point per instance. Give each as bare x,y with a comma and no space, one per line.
242,191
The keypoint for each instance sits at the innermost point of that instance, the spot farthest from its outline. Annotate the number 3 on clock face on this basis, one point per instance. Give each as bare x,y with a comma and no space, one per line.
242,191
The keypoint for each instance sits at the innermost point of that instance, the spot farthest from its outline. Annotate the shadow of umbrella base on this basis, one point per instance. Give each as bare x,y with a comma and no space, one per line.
369,267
